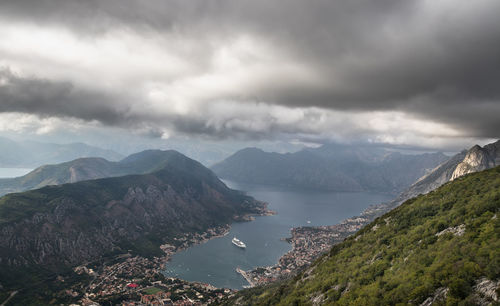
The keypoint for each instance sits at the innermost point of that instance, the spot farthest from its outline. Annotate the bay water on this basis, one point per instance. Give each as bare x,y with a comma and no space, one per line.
13,172
215,261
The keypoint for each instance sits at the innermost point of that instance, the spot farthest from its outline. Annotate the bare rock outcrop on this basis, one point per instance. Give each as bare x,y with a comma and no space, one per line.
439,296
477,159
487,289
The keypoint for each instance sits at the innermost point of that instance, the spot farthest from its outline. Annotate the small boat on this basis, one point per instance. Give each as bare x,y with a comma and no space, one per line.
238,243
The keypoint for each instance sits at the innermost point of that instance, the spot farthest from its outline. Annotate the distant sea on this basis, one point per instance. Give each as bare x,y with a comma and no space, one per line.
13,172
215,261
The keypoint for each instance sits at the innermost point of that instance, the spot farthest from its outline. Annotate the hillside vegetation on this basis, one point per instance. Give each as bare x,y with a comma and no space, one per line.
443,247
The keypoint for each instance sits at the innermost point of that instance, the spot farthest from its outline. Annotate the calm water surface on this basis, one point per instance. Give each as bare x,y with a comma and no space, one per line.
13,172
215,261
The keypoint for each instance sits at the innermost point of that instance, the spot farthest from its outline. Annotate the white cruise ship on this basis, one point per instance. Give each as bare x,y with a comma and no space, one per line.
238,243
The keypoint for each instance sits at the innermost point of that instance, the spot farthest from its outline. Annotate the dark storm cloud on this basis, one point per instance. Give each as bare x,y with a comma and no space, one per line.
435,59
61,99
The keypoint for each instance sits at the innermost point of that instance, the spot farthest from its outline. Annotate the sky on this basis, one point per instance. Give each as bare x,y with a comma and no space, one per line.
129,73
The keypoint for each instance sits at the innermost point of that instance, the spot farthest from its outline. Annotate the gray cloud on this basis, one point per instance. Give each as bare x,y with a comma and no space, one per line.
437,60
49,98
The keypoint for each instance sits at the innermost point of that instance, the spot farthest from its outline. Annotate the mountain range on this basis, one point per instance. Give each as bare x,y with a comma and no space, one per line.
330,167
29,154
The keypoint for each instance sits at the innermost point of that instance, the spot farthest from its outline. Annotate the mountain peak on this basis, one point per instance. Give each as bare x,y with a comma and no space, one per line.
476,159
88,168
250,150
152,153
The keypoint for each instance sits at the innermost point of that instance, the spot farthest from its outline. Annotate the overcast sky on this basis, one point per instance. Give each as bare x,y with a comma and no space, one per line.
414,73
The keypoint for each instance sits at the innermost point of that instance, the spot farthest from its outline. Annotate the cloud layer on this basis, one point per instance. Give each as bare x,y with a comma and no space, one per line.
391,71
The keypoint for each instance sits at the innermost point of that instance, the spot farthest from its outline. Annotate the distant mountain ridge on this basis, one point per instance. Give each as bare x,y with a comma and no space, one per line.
330,167
28,154
86,169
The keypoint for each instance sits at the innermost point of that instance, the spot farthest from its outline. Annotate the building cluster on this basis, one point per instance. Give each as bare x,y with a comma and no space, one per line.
177,292
139,281
188,239
136,280
308,243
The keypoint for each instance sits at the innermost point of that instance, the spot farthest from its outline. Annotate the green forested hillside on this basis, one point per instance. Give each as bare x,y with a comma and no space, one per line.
439,246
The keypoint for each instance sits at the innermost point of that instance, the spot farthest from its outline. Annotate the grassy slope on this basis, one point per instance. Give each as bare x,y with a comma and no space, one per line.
399,259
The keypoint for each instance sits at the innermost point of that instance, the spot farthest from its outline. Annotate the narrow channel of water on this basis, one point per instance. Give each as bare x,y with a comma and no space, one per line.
13,172
215,261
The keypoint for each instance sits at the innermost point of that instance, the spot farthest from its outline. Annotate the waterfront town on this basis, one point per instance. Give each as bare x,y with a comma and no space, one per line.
135,280
308,243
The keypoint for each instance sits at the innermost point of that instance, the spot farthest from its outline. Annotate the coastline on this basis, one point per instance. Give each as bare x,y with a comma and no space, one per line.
309,243
112,280
245,276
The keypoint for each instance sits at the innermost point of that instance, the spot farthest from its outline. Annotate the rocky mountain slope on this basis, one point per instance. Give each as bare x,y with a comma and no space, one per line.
468,161
56,227
478,159
29,154
331,167
440,248
86,169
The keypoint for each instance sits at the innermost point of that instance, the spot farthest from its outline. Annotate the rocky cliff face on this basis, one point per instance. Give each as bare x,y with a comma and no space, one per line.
477,159
473,160
66,225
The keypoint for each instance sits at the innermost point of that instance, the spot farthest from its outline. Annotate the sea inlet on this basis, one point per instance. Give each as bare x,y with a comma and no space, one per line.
215,261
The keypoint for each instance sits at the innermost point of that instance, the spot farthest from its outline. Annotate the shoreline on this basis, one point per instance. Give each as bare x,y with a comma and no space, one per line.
211,233
112,278
245,276
310,242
